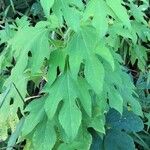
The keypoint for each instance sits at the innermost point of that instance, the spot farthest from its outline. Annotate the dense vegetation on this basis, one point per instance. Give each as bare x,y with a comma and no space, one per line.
74,74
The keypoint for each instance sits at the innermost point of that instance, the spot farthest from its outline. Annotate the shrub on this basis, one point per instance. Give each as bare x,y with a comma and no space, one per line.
66,81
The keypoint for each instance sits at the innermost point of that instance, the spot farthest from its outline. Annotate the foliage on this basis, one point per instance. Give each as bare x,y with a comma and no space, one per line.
66,79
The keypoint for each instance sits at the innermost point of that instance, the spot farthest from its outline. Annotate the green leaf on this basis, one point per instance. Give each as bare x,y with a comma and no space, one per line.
71,14
119,11
129,121
137,13
97,10
47,4
98,124
72,59
139,52
21,43
97,141
13,138
70,110
65,88
84,95
57,59
8,113
36,113
106,54
118,28
4,95
82,141
38,55
82,47
54,97
144,33
94,73
45,135
136,106
116,140
115,100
